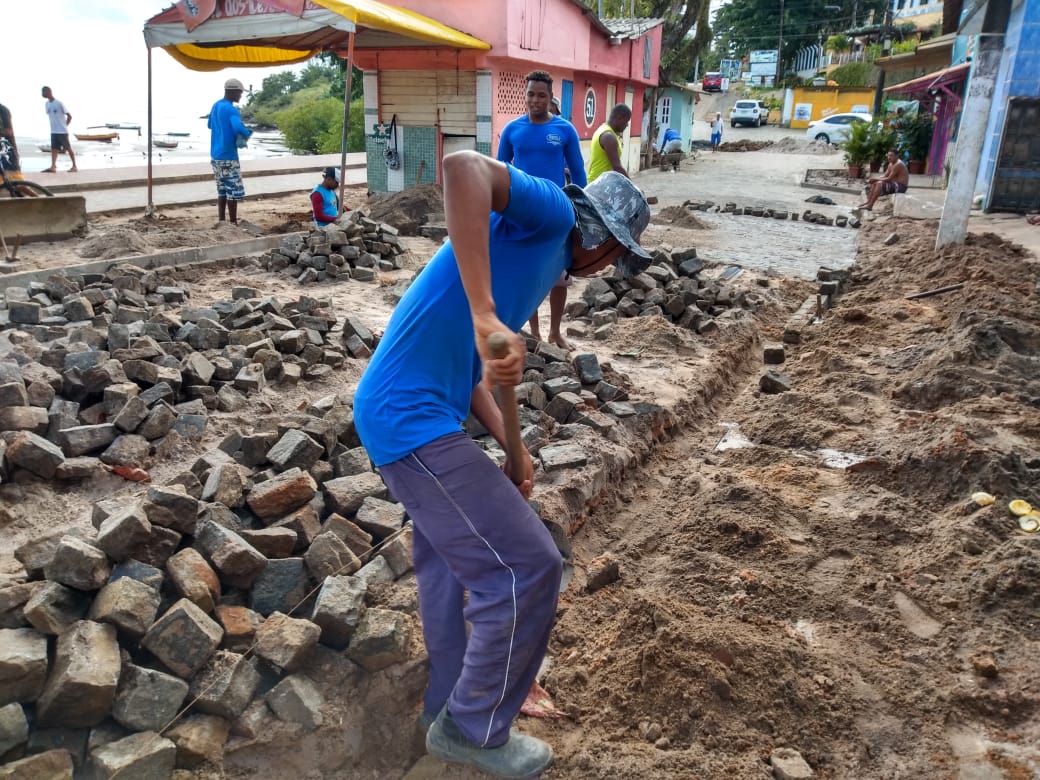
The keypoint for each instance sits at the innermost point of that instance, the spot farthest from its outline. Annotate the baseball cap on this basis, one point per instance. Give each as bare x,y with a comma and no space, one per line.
234,84
330,172
612,205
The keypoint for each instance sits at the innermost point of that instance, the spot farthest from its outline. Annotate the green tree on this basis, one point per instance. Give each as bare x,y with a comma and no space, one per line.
316,125
742,26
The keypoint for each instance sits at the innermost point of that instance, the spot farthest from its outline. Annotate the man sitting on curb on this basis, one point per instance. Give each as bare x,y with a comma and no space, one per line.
325,199
895,179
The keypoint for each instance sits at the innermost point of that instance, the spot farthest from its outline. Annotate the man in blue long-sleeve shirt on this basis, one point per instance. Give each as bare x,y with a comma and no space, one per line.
546,146
226,128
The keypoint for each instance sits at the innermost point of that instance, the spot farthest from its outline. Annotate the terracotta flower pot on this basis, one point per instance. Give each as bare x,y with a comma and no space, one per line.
875,167
916,166
855,171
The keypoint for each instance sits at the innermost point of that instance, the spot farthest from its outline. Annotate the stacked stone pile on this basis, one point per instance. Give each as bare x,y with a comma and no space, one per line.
105,367
770,213
354,248
671,288
217,591
211,592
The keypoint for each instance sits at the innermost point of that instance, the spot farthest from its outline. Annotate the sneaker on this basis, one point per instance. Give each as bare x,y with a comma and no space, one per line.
425,720
520,757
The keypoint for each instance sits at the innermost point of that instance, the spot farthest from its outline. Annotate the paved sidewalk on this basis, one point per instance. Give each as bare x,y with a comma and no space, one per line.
116,190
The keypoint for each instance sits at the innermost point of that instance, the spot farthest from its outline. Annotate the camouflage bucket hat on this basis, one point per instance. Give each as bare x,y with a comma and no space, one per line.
612,206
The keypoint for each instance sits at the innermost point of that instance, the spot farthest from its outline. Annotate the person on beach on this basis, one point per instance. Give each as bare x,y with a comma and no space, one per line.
895,179
544,144
226,128
716,131
13,168
325,198
60,120
510,237
607,143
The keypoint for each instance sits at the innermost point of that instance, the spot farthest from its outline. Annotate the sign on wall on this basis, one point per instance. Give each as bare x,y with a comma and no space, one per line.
802,112
590,106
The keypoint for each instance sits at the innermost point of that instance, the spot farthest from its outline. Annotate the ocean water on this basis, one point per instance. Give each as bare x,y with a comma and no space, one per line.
130,149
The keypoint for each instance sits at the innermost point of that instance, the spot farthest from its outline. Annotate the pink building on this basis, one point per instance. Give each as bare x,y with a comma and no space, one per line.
438,101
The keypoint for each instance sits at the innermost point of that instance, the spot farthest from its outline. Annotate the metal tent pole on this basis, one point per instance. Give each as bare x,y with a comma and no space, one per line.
346,118
150,208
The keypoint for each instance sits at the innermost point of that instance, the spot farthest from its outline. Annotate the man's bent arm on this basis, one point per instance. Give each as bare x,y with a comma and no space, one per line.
474,185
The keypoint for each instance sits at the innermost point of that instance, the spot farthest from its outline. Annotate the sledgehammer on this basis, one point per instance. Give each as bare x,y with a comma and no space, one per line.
498,343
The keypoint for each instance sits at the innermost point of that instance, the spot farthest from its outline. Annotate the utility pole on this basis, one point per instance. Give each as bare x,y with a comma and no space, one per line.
886,47
971,134
780,48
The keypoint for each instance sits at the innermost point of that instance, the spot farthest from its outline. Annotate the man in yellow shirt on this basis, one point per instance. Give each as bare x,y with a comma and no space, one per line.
606,143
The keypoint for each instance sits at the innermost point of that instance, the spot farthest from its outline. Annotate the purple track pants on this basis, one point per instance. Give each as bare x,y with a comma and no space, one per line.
473,531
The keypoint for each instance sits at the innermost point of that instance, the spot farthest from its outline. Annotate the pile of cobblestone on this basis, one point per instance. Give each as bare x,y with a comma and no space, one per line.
213,593
769,213
671,288
356,248
102,368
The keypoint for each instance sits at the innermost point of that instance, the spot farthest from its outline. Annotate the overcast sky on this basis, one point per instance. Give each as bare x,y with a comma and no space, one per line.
92,54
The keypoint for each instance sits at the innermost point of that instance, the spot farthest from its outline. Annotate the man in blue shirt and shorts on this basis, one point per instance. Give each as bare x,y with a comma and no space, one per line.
511,236
546,145
226,128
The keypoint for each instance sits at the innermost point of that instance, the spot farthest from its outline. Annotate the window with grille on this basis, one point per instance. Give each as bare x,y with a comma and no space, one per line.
512,93
664,112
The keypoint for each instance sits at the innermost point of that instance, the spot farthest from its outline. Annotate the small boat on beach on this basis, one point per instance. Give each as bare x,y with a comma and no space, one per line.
123,126
160,143
102,137
178,135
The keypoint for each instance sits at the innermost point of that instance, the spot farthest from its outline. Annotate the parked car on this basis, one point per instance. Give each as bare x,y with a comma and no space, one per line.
712,81
749,112
835,128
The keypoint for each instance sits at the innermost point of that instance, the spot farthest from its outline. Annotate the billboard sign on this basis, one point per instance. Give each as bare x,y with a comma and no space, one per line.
764,56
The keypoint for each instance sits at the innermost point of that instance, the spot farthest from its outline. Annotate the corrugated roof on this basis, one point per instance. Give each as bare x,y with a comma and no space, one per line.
630,28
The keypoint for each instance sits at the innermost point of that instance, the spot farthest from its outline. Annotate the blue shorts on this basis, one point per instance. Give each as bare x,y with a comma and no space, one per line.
228,174
716,139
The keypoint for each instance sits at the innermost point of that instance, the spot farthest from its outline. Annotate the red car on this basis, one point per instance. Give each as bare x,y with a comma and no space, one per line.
712,82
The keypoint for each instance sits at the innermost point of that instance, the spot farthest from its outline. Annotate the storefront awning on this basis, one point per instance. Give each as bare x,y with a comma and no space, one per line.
932,80
282,32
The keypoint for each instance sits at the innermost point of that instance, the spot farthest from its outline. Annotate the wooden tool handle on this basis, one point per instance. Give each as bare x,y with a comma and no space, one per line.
498,343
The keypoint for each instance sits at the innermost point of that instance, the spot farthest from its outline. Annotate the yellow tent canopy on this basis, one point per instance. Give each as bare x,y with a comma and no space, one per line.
278,36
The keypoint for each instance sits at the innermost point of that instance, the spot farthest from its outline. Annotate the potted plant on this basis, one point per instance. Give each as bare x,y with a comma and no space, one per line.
856,148
916,140
880,141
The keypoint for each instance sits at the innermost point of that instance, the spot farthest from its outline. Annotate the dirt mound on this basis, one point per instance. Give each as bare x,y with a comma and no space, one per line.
802,146
409,209
745,146
117,242
679,216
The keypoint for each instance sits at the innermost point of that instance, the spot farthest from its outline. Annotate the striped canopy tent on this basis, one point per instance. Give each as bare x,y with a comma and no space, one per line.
208,35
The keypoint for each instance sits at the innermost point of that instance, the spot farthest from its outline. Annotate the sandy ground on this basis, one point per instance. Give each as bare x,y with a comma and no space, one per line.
801,570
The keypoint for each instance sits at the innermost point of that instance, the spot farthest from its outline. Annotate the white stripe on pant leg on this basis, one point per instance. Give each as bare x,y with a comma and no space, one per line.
512,574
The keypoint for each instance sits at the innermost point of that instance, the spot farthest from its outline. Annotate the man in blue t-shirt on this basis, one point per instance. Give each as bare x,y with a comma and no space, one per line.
511,235
226,133
546,145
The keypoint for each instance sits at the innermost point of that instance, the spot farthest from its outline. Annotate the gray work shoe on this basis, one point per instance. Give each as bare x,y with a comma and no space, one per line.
521,756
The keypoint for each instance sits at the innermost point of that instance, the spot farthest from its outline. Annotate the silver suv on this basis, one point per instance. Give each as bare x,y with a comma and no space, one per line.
749,112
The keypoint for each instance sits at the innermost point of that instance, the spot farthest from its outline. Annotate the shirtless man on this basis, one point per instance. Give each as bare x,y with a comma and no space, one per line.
895,179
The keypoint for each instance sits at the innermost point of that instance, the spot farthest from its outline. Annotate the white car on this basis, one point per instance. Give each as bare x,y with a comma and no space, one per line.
749,112
835,128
